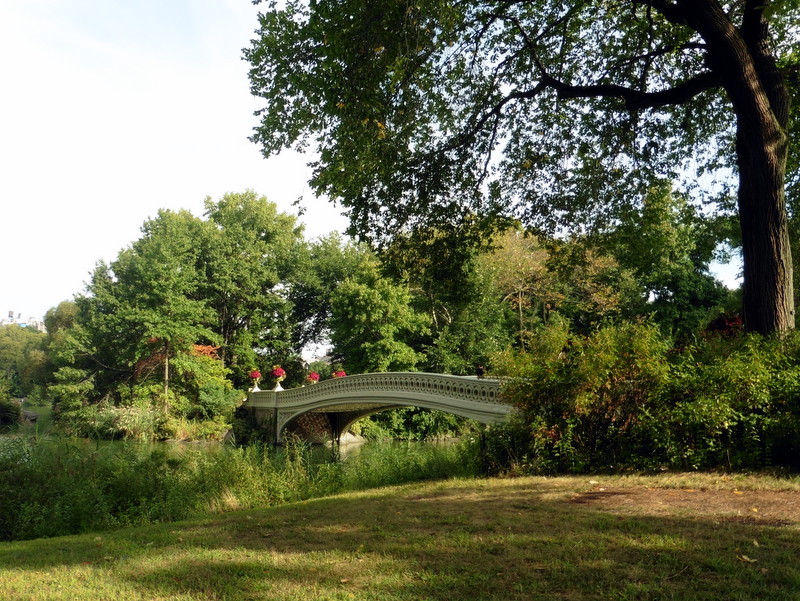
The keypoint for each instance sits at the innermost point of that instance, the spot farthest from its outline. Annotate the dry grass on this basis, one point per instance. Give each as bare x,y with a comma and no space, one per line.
564,538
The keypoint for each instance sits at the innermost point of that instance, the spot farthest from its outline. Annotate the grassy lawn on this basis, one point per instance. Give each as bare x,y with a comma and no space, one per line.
697,537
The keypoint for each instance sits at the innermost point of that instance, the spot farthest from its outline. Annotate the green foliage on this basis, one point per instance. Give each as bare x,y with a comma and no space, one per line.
251,257
104,421
214,429
71,390
316,275
411,423
238,291
733,402
155,286
202,380
580,279
188,280
145,308
53,488
469,339
323,368
518,274
166,326
621,397
668,247
293,365
390,463
405,103
10,410
582,396
594,287
443,270
429,114
372,325
22,360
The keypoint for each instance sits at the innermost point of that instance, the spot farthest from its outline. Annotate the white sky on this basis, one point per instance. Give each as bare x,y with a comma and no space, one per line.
111,110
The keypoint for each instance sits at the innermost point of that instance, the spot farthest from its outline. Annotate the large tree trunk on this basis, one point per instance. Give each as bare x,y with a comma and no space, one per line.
742,57
768,285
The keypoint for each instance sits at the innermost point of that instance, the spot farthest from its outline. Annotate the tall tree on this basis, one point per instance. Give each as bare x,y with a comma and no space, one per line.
373,328
249,262
518,266
442,268
560,111
539,278
326,263
147,303
668,249
22,359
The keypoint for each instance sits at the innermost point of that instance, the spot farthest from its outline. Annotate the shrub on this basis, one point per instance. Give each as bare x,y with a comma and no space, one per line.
731,402
581,397
10,412
180,428
621,398
411,423
57,487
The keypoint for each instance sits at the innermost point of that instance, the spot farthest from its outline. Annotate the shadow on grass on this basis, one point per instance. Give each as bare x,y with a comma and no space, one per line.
512,539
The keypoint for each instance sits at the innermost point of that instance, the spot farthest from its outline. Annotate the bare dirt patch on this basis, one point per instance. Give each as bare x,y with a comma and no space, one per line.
765,507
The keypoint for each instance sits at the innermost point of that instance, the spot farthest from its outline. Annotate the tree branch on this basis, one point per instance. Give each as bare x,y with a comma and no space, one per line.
635,99
671,11
753,26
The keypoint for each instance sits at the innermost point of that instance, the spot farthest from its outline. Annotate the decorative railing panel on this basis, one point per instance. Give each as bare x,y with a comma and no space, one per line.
455,387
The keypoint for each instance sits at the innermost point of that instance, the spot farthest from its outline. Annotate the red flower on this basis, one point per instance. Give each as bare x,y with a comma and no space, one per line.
277,372
313,377
255,374
338,374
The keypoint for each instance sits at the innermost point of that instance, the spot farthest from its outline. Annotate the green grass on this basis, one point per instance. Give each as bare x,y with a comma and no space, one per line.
55,487
511,539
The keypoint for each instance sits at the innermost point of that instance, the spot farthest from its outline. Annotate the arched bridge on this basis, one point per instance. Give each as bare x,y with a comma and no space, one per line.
339,402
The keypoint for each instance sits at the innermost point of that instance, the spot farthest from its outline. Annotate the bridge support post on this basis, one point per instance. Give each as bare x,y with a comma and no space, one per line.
342,420
272,428
265,420
264,409
339,421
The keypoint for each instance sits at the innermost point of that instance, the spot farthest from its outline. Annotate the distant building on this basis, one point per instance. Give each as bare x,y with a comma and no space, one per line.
31,322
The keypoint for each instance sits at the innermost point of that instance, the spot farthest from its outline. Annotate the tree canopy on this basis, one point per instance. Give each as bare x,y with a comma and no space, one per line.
562,113
180,315
164,334
373,325
22,359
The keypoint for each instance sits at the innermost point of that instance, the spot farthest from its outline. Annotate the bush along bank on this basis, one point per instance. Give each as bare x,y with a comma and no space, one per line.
624,397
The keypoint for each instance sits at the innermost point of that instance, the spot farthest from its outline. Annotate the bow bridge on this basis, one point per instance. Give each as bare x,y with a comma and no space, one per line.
329,408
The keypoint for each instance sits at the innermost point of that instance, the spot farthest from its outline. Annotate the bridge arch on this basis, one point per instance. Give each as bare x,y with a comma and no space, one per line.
345,400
